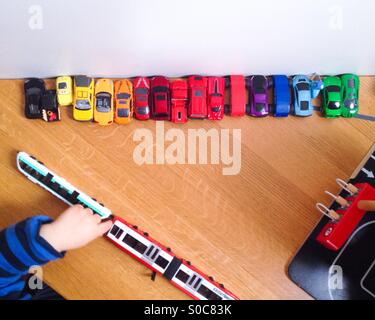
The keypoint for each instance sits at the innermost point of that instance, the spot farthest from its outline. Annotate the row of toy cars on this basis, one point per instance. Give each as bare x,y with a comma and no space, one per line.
340,96
199,97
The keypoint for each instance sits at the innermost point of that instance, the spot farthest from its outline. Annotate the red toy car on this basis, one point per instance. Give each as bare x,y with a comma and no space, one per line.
237,105
197,93
179,96
160,99
141,87
215,98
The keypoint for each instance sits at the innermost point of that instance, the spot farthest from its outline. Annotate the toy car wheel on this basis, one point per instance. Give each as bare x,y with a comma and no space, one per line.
226,108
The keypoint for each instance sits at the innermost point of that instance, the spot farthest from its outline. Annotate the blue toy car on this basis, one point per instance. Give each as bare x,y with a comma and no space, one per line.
302,96
281,96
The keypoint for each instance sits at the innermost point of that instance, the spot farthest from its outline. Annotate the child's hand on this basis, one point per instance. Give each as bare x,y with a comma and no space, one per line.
74,228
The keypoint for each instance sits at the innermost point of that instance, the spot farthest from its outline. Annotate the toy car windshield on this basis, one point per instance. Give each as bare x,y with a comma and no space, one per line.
141,91
259,84
351,83
123,96
259,90
62,85
82,81
103,102
123,113
83,105
143,110
304,105
303,86
334,105
259,107
333,89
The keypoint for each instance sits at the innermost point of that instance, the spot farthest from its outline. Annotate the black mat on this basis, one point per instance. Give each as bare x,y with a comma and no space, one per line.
353,273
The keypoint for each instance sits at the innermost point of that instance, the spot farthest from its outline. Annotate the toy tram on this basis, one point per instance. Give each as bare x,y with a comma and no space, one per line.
47,179
148,251
160,259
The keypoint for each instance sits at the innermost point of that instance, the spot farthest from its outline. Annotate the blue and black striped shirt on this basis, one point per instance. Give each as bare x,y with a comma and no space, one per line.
21,247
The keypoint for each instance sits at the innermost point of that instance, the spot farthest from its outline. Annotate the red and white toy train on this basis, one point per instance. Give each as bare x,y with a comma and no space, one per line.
127,237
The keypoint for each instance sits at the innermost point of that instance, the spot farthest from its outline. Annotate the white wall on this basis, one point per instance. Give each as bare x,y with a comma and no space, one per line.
132,37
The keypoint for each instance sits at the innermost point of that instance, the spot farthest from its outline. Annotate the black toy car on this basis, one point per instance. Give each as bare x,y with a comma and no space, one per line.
34,90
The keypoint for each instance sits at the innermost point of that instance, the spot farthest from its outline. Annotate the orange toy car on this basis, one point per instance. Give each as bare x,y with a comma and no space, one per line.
103,106
123,101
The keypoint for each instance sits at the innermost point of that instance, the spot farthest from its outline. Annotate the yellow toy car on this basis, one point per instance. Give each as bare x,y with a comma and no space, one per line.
64,91
83,98
103,111
123,101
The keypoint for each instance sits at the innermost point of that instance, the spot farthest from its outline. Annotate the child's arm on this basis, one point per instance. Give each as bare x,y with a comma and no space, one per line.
38,240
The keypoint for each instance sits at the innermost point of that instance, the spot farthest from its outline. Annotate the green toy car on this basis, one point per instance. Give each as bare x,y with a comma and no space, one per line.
331,97
349,95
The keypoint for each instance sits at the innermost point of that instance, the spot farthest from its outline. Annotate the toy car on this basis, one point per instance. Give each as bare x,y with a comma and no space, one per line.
281,96
349,95
331,97
64,91
237,105
258,86
215,98
103,112
160,99
50,108
123,101
34,89
83,100
302,96
141,98
179,96
197,108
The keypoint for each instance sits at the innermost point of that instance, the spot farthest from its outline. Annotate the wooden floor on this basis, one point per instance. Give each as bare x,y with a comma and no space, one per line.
241,229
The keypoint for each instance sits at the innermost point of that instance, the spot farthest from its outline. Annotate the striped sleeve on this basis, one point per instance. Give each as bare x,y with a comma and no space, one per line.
21,247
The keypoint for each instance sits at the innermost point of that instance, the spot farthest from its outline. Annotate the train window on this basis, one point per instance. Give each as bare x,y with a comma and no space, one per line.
119,233
140,247
134,243
192,280
155,253
204,291
182,276
55,186
114,230
161,262
150,250
197,283
63,192
129,240
208,294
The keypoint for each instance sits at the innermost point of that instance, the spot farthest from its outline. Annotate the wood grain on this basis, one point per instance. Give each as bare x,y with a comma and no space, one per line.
242,229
